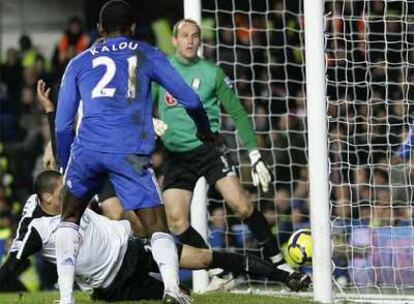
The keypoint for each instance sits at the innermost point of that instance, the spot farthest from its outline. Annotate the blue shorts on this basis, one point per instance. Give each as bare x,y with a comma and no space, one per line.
131,176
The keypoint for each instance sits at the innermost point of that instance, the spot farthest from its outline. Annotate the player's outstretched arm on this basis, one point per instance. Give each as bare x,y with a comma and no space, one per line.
43,97
48,159
261,173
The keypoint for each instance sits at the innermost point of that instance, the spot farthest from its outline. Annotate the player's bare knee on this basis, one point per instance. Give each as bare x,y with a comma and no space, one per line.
243,211
153,220
205,257
112,209
156,225
156,228
115,215
177,225
239,203
72,207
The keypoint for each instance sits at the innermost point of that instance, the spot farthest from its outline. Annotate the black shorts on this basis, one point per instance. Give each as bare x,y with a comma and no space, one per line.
133,281
183,169
107,191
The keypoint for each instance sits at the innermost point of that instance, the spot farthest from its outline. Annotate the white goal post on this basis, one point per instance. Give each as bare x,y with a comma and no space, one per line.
192,10
318,150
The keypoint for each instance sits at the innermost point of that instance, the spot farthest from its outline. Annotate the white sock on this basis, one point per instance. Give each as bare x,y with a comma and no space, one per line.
68,241
164,252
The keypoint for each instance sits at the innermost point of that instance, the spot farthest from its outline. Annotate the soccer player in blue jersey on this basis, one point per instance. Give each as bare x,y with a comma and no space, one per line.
115,139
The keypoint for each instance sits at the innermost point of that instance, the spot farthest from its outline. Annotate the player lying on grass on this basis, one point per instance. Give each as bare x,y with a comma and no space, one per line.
116,265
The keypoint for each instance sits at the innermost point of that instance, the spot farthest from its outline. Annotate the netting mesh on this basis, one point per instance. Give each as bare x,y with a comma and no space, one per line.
369,50
369,47
259,45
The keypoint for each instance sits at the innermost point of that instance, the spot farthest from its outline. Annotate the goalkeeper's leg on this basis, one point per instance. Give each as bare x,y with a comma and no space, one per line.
234,195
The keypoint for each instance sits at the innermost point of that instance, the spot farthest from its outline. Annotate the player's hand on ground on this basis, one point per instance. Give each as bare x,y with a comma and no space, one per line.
43,96
261,174
49,162
159,127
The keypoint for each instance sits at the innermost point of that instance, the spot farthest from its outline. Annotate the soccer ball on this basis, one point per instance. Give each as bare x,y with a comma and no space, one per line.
299,247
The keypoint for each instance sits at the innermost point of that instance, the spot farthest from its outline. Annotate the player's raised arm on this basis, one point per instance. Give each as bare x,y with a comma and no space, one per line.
167,76
67,108
49,161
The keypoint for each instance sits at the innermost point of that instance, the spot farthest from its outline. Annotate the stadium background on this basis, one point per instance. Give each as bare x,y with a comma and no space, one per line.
35,43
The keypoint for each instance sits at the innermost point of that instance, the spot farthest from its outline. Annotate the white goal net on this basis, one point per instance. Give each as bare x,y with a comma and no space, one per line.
369,50
369,47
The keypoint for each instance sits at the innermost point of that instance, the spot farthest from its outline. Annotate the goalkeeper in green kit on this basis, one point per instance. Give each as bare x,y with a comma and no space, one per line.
188,158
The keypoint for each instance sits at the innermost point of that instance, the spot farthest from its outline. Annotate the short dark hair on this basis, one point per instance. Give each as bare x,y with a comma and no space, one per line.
116,15
45,181
177,26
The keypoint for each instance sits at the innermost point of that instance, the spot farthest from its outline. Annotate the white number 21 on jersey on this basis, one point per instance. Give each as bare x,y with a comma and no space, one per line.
101,89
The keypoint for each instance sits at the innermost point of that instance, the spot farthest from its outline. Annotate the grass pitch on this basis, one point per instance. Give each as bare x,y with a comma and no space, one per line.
216,298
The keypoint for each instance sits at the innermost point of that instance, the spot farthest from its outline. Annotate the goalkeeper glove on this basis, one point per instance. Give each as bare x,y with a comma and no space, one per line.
260,172
159,126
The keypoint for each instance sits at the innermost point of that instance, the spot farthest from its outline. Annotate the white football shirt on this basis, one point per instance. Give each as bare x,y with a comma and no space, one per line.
100,254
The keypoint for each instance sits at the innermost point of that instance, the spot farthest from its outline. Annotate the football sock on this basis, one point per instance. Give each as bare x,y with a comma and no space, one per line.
165,255
260,228
240,264
259,267
193,238
68,241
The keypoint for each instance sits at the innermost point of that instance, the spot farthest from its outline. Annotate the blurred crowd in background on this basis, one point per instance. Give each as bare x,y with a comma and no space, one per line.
369,55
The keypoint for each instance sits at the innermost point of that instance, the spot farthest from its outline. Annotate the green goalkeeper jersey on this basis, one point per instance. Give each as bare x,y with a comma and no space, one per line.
214,89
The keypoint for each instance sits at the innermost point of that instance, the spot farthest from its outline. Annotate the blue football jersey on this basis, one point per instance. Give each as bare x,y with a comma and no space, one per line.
113,80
